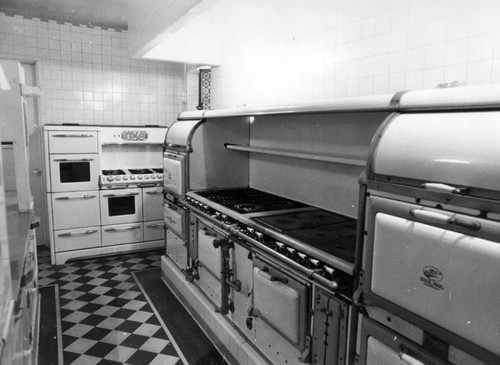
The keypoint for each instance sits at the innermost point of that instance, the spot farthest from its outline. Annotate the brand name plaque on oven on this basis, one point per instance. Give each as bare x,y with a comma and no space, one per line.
431,278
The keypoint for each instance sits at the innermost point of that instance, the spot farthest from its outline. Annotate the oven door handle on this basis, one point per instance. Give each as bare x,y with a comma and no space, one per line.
410,360
265,274
119,195
443,188
440,218
73,160
73,135
147,185
74,234
153,192
129,228
75,197
155,225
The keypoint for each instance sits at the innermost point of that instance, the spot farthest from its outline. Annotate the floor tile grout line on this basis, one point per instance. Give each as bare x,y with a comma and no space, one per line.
169,334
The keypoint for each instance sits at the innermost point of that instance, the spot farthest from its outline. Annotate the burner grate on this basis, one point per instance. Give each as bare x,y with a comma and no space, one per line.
140,171
248,200
113,172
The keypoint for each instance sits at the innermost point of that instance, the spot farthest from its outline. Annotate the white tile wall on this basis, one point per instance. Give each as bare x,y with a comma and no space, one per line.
362,47
87,76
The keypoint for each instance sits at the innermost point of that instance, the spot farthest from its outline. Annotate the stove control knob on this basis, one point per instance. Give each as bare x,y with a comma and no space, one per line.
160,176
109,178
259,235
329,270
224,217
146,177
125,177
218,215
291,250
132,177
314,262
118,178
302,256
139,177
205,207
251,230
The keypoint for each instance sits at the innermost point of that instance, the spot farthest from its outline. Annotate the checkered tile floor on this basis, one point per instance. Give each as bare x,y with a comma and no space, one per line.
105,318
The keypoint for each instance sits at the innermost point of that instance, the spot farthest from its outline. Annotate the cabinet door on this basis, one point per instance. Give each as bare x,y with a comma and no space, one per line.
154,230
152,203
73,142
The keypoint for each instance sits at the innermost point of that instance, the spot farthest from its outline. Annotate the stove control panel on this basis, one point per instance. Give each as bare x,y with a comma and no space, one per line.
204,208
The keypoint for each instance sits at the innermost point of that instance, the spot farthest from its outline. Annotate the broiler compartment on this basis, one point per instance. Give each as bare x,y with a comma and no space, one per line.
437,269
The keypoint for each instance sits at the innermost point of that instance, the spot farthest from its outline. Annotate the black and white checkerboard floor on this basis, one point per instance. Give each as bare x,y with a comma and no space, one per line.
105,318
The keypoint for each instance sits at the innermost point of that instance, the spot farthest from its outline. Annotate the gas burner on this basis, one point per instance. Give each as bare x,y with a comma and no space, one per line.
140,171
113,172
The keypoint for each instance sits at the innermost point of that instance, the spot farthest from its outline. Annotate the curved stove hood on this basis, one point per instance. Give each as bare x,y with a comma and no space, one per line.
180,134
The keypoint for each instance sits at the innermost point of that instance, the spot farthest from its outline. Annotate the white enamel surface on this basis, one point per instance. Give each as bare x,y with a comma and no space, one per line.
459,148
460,297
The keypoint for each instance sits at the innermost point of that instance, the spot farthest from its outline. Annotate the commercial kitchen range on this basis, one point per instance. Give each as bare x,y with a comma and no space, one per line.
353,231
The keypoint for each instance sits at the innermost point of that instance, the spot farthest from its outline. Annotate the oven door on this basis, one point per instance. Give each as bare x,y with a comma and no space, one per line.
174,174
280,307
73,172
436,268
175,219
121,206
380,345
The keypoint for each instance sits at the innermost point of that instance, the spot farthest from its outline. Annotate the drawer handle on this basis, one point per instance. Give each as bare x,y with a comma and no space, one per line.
75,197
443,188
409,359
439,218
129,228
119,195
72,135
74,234
155,225
73,160
153,192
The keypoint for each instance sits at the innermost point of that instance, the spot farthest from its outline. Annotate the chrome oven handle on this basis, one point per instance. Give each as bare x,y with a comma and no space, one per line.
443,188
129,228
147,185
440,218
155,225
75,197
410,360
74,234
72,135
73,160
119,195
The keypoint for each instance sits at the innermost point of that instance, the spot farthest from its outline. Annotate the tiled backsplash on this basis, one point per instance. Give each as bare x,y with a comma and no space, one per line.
87,76
360,47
